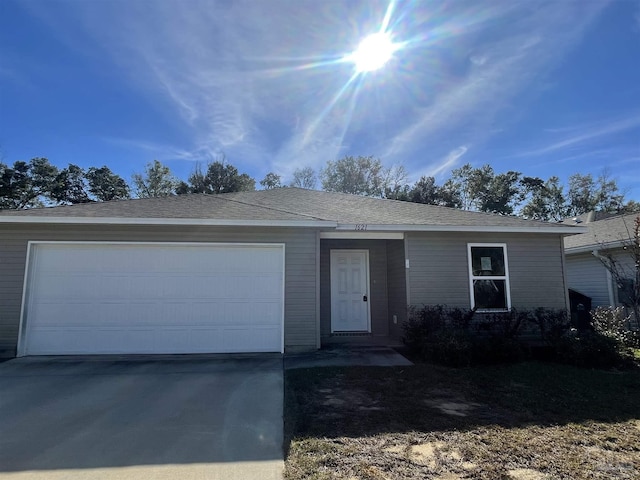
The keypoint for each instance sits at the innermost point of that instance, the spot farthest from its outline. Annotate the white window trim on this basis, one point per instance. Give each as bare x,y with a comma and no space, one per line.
504,277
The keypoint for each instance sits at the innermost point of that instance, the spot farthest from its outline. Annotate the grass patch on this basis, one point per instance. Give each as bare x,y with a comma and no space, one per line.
527,421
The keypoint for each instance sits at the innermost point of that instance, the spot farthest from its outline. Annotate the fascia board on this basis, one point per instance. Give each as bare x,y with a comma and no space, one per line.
460,228
166,221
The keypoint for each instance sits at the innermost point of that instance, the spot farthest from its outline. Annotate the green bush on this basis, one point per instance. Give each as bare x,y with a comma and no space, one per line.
550,324
590,350
425,323
453,347
459,337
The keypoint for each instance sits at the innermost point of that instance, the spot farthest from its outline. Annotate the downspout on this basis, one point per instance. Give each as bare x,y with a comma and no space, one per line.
318,343
563,261
407,279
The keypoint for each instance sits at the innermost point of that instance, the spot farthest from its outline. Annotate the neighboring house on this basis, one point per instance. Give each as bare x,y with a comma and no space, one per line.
586,273
265,271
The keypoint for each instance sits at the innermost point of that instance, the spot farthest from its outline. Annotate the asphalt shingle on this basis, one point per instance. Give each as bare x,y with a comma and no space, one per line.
602,232
287,204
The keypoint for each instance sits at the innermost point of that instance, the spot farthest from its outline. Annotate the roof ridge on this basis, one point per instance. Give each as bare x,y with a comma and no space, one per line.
429,205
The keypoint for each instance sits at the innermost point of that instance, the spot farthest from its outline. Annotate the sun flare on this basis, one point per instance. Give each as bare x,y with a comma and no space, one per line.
373,52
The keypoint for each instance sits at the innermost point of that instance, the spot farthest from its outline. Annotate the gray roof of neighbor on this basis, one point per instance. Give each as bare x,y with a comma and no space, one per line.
287,204
602,232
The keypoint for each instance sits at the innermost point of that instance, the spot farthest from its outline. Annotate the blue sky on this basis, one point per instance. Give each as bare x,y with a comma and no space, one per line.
545,88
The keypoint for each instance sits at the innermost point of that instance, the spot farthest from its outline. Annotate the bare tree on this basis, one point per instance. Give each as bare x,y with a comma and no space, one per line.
304,178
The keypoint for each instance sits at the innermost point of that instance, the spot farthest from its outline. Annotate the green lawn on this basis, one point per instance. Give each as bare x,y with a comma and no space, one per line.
528,422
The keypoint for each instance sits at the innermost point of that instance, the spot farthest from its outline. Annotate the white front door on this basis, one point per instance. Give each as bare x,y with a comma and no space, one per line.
350,291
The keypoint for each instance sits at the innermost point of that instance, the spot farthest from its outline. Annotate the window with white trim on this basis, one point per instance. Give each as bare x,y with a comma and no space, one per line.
489,276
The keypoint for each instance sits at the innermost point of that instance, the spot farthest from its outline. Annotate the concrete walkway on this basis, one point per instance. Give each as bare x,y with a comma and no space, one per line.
344,356
156,418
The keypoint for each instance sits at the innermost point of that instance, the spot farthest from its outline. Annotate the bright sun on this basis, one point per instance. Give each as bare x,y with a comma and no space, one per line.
373,52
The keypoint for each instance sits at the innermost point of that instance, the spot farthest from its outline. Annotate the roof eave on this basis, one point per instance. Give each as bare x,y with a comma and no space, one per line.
166,221
461,228
594,246
568,230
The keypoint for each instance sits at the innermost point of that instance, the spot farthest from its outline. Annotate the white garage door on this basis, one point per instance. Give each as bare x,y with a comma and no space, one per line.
86,298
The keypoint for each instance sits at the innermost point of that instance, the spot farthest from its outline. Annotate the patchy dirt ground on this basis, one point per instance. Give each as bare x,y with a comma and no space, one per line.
527,422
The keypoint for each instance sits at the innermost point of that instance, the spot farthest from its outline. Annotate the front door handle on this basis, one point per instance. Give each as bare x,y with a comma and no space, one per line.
364,298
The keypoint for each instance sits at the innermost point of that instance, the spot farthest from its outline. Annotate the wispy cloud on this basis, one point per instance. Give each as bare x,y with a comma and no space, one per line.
163,151
531,41
243,77
446,164
581,135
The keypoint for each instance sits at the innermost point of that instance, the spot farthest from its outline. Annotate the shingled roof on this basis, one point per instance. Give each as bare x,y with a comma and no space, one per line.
609,232
290,205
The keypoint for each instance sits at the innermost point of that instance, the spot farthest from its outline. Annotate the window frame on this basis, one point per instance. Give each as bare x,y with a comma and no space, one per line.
504,277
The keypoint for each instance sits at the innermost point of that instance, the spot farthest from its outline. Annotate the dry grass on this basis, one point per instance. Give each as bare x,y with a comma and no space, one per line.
523,422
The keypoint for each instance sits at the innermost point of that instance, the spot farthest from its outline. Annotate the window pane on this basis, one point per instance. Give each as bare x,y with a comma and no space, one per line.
490,293
487,261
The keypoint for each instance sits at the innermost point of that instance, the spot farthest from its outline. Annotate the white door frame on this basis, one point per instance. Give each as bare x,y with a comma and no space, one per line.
367,284
23,331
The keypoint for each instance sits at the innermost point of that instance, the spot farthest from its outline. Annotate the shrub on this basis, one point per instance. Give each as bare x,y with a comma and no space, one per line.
453,347
425,323
502,324
614,323
590,349
551,324
456,337
459,337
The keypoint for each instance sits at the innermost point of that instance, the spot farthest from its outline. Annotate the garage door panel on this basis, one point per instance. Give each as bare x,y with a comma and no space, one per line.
67,288
62,314
49,341
269,313
235,337
204,313
205,338
183,286
113,286
135,338
235,286
159,299
266,286
172,340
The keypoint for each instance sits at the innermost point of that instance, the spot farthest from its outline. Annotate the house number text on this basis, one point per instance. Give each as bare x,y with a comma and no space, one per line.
361,226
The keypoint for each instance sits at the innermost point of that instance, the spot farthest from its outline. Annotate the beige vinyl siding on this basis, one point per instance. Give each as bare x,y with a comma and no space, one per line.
377,282
588,276
439,271
396,286
626,268
300,271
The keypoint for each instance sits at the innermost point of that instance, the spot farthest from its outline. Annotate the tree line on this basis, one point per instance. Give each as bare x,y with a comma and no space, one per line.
38,183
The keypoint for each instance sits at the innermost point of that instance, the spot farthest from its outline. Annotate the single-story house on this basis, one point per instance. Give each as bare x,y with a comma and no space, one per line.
279,270
586,272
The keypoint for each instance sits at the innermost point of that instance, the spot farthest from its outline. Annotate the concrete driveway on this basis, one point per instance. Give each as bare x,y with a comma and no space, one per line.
132,418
